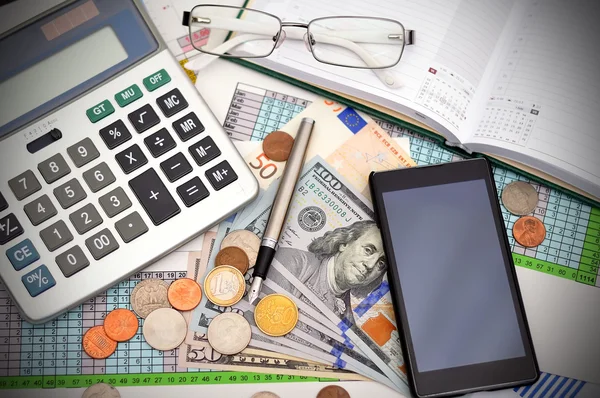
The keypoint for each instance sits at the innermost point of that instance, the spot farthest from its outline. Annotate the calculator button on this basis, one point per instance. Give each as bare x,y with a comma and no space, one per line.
172,102
143,118
115,134
221,175
188,126
176,167
56,235
154,197
160,142
54,168
83,152
128,95
131,159
192,192
10,228
24,184
40,210
204,151
131,227
72,261
102,244
69,193
38,281
85,219
114,202
100,111
3,203
22,254
156,80
99,177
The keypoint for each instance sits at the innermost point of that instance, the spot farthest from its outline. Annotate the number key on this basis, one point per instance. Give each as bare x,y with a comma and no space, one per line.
72,261
40,210
115,202
56,235
102,244
83,152
85,218
99,177
69,193
24,185
54,168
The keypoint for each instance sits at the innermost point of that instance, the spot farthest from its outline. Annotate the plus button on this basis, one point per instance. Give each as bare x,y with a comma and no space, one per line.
154,195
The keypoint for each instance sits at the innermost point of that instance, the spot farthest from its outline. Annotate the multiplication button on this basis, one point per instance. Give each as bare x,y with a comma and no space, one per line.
131,159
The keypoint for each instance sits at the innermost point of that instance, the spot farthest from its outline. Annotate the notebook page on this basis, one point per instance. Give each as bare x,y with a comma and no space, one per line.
440,73
545,102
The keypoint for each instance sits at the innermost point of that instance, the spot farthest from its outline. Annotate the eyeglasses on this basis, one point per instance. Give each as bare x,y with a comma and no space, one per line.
353,42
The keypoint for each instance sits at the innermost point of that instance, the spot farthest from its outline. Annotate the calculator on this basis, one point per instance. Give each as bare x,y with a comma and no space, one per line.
109,157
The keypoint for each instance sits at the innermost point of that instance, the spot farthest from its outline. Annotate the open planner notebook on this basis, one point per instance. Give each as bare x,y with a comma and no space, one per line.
516,80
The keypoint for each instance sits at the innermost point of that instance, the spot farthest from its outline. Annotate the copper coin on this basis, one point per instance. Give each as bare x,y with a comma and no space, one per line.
184,294
233,256
97,344
333,392
278,145
529,231
121,324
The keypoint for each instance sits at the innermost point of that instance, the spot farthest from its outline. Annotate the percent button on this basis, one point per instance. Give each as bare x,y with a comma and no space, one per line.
115,134
38,281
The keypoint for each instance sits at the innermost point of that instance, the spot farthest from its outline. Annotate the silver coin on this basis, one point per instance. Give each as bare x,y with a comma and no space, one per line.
101,390
245,240
149,295
164,329
229,333
520,198
265,394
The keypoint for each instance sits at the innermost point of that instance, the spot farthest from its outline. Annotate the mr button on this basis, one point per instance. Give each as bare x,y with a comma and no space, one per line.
22,254
188,126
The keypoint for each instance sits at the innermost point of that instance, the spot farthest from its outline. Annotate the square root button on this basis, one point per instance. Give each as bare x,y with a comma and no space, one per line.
38,281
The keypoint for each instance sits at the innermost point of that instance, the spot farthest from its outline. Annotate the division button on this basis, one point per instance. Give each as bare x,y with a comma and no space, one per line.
221,175
40,210
131,227
204,151
154,196
99,177
172,102
10,228
38,281
85,219
188,126
83,152
56,235
131,159
101,244
176,167
54,168
3,203
22,254
69,193
160,142
72,261
115,202
24,185
143,118
115,134
192,192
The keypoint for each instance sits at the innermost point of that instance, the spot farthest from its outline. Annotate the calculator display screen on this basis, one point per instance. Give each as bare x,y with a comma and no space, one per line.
66,53
57,74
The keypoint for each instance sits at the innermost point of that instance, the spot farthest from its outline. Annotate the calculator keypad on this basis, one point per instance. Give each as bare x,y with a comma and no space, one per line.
3,203
56,235
188,126
221,175
54,168
192,192
143,118
10,228
40,210
131,159
38,281
131,227
24,184
176,167
172,102
160,142
99,177
83,152
69,193
85,219
101,244
154,196
204,151
114,202
72,261
115,134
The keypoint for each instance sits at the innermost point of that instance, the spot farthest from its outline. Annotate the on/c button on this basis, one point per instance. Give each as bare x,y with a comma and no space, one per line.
22,254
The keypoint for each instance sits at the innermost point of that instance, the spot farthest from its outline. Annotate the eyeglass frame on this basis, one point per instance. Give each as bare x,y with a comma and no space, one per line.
408,34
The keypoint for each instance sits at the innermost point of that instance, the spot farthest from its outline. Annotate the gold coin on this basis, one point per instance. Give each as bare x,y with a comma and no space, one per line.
224,285
276,315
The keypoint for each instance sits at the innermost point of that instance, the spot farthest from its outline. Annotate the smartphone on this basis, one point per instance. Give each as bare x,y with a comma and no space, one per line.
460,314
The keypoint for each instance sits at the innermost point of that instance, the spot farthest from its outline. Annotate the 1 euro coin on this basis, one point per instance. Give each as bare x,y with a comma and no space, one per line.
224,285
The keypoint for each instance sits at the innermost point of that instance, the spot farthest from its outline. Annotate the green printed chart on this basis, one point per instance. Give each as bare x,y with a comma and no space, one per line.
51,356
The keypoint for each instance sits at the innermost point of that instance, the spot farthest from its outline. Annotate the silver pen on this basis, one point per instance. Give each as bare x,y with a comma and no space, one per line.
281,204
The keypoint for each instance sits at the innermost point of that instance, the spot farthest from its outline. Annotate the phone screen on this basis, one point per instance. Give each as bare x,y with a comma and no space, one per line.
453,276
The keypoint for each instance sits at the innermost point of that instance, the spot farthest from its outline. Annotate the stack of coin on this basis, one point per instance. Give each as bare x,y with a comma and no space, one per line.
521,199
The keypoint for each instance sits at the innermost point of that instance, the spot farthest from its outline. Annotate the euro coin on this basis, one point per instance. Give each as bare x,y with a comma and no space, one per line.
101,390
164,329
233,256
529,231
245,240
276,315
333,392
278,145
121,324
149,295
229,333
97,344
184,294
224,285
519,198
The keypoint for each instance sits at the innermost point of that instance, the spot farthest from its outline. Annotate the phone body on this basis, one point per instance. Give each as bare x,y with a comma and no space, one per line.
460,315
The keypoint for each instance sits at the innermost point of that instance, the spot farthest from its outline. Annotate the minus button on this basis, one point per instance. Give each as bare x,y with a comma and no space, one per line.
176,167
